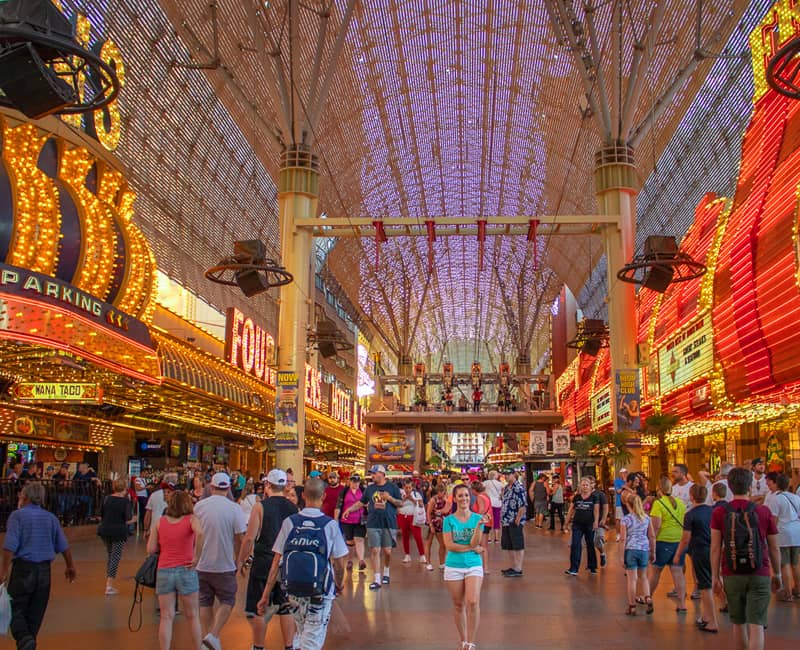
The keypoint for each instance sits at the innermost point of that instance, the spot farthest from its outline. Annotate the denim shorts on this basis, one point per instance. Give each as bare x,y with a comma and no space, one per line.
182,579
665,554
635,559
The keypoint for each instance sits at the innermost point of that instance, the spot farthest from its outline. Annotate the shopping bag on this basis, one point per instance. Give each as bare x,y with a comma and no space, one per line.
5,610
420,518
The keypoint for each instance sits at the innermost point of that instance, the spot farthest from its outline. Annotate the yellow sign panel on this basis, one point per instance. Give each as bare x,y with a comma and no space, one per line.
687,356
42,391
601,408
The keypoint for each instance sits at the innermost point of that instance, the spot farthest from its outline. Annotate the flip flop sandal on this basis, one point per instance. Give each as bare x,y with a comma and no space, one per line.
705,629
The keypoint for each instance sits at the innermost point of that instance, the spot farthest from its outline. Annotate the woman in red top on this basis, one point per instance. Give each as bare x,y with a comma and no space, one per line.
437,510
178,539
483,506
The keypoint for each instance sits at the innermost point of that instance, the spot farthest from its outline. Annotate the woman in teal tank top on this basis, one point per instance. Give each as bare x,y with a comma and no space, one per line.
463,567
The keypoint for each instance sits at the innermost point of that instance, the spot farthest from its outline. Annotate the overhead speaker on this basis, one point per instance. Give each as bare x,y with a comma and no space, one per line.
592,347
658,277
30,85
327,349
251,282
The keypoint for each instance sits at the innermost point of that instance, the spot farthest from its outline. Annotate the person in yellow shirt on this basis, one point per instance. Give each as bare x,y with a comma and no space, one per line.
667,516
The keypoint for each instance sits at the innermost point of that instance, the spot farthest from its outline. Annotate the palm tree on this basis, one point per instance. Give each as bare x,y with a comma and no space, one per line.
661,425
610,447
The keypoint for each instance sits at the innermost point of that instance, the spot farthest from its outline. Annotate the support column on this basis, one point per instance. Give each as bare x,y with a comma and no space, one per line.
616,190
298,192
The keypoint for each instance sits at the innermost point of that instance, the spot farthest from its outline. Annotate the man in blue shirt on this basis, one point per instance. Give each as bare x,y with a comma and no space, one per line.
512,517
33,538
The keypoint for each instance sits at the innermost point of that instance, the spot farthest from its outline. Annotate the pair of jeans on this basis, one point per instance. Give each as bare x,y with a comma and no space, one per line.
582,532
556,508
406,525
312,616
29,588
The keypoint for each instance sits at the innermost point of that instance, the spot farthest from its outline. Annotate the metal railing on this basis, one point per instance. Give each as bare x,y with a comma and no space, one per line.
74,502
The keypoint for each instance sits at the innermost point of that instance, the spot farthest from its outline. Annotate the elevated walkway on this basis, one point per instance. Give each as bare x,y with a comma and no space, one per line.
485,420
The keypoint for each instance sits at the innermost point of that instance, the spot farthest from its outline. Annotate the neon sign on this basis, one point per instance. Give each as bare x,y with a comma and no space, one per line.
248,347
104,124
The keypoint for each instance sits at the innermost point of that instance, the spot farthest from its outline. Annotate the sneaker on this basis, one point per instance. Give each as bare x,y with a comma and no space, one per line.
211,642
570,572
602,559
504,571
441,566
110,591
593,571
423,560
406,559
374,585
513,573
429,567
362,566
385,580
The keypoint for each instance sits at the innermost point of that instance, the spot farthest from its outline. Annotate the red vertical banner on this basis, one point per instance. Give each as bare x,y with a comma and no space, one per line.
431,227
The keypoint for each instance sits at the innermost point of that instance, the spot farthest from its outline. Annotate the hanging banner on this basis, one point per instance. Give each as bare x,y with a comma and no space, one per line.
628,392
538,443
561,442
286,432
391,446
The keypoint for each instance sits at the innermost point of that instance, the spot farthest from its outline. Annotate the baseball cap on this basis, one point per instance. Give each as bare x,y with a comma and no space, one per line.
65,465
508,470
756,461
139,481
624,469
355,477
221,480
314,474
277,477
377,468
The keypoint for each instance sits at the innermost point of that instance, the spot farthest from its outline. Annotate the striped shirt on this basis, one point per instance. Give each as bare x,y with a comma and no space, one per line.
34,535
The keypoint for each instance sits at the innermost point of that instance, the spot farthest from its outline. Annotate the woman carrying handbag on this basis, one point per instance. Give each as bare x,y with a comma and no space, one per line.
116,515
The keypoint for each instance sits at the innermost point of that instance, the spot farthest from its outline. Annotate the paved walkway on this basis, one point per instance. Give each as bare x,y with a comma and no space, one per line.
544,609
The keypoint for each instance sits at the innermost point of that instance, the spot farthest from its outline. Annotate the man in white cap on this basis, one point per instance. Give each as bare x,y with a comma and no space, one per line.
382,500
266,519
223,527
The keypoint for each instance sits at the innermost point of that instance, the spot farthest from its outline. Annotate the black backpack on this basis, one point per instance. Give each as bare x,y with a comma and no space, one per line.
145,577
742,549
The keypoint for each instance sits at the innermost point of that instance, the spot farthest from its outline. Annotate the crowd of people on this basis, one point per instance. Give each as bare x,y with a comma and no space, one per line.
295,544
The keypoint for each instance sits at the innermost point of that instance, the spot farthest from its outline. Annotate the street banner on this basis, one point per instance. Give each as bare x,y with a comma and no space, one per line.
538,443
628,394
286,434
561,442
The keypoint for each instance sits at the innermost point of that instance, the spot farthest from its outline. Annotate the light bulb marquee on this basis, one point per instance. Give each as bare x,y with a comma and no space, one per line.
734,330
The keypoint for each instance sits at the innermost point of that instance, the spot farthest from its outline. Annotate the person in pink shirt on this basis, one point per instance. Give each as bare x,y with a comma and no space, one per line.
352,525
178,540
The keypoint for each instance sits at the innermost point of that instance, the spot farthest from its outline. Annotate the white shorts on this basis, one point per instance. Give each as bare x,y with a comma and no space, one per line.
451,574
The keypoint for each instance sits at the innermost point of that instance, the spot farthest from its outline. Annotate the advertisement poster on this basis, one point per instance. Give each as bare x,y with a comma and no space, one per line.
561,442
391,446
286,436
538,443
628,393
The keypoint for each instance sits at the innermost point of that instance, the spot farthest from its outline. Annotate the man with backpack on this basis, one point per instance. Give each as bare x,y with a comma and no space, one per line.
309,555
744,544
266,519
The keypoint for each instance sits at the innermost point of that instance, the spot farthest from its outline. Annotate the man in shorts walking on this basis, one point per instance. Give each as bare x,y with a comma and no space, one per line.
382,500
748,593
223,525
266,519
538,494
512,516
